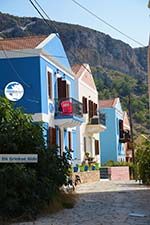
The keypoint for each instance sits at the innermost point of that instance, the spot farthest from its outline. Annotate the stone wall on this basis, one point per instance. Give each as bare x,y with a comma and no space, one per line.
116,173
120,173
88,176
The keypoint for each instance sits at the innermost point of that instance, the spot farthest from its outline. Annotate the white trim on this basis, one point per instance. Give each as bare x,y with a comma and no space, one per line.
71,129
87,86
49,70
86,69
58,75
68,82
83,73
46,40
57,65
67,123
21,53
38,117
24,53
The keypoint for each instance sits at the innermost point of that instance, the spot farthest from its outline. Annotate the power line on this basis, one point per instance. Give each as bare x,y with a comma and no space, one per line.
43,16
27,99
53,25
108,24
13,68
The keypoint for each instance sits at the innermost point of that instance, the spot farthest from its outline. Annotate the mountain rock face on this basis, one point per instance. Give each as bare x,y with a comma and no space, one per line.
118,69
83,45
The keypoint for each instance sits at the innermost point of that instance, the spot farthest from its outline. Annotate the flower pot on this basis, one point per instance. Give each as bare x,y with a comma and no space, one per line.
75,169
86,168
93,168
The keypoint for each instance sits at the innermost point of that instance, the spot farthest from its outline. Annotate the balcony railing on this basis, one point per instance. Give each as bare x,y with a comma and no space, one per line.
125,136
99,119
68,107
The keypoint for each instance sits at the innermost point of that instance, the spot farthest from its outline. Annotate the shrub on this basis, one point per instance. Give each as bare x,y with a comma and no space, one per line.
142,159
26,189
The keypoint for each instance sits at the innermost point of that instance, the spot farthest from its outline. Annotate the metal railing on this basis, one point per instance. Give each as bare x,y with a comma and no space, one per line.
98,119
68,107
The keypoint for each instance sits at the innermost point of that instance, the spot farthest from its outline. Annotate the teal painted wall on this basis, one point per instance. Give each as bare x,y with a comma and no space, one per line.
111,148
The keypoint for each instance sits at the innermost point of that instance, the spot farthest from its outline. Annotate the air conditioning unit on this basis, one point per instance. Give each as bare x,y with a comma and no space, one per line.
95,120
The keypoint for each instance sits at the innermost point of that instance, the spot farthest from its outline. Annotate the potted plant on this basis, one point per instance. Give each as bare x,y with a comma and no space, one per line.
93,167
75,168
86,168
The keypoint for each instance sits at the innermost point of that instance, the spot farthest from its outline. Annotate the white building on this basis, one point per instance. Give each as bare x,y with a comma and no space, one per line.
88,132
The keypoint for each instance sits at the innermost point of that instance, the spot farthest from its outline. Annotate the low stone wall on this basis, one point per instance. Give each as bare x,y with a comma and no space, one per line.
120,173
88,176
115,173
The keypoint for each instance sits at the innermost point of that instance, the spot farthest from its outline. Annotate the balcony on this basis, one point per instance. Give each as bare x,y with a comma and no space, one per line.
96,124
124,136
68,112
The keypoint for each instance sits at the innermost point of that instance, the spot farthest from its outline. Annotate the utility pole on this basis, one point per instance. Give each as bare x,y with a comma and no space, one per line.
131,126
148,69
148,63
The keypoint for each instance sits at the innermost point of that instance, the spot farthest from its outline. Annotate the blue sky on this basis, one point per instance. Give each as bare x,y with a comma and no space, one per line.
130,16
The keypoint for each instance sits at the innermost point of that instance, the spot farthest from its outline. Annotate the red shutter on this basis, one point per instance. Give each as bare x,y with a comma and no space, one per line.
67,90
59,87
64,89
95,109
96,147
84,102
49,85
121,131
91,109
69,141
52,136
85,105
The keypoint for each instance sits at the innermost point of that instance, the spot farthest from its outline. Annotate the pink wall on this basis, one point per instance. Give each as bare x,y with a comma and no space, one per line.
120,173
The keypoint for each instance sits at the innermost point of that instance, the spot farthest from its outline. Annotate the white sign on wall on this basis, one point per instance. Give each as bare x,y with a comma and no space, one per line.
14,91
18,158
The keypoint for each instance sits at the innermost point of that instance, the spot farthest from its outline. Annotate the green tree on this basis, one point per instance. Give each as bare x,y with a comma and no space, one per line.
142,160
26,189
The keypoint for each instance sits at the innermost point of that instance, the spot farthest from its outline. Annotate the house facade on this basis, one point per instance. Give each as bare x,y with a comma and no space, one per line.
88,133
40,65
113,139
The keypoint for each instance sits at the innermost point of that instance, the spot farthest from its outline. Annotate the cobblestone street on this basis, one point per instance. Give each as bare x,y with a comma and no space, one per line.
105,203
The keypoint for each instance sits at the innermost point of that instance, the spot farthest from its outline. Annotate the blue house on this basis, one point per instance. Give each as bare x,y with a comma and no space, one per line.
40,66
113,138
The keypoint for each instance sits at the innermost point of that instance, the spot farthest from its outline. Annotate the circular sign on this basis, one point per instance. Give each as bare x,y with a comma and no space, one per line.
14,91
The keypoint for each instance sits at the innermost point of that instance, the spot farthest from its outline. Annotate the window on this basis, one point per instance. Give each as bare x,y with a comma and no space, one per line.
63,88
49,85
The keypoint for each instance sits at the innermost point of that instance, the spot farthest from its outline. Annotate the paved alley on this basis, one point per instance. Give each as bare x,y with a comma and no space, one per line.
105,203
